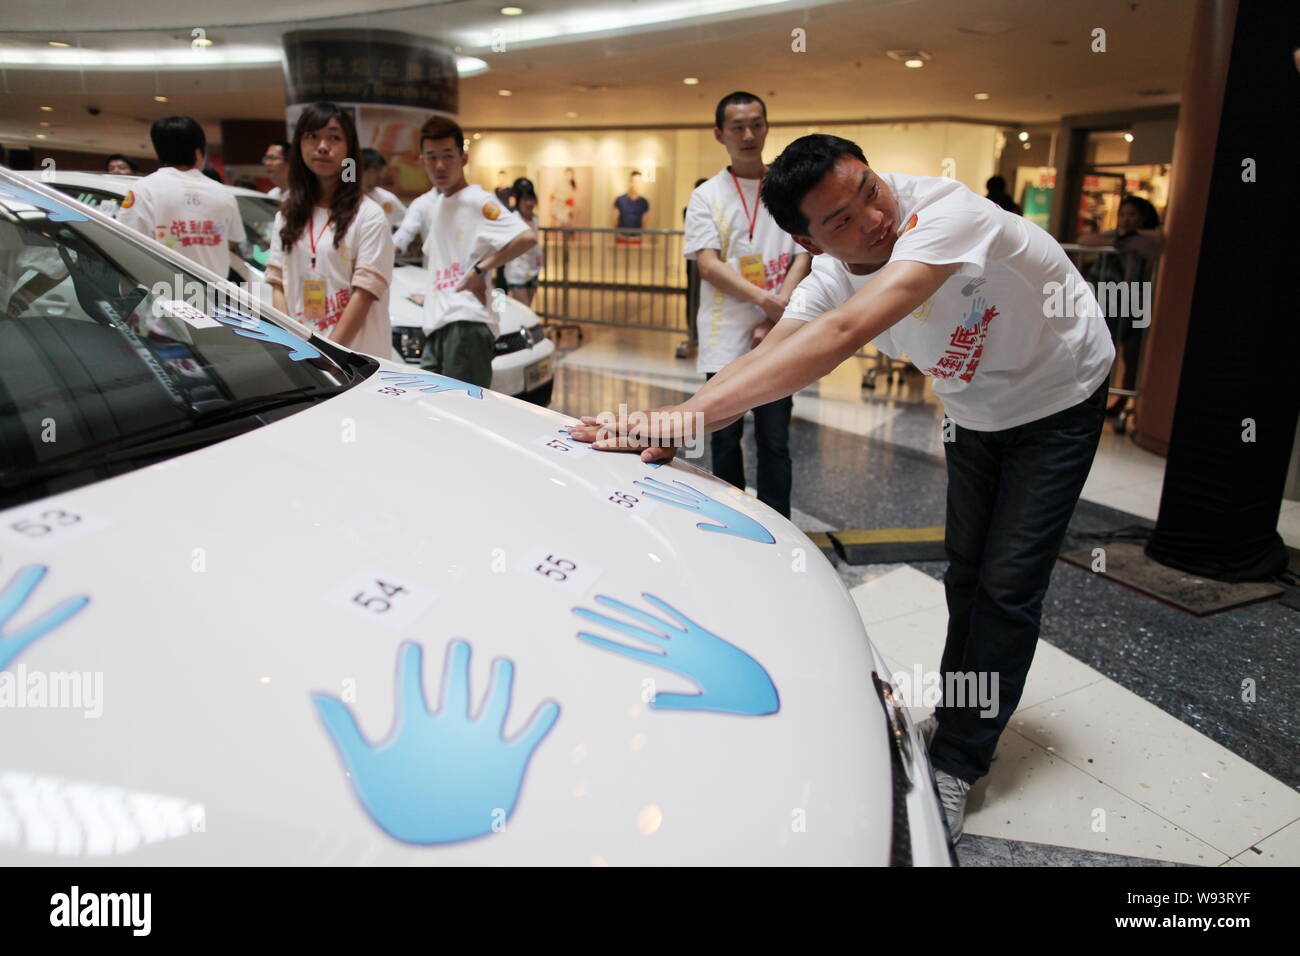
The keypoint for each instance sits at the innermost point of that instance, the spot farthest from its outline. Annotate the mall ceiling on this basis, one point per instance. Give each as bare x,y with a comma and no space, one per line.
599,63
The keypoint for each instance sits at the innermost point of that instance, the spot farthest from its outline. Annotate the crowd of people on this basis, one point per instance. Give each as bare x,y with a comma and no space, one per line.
800,263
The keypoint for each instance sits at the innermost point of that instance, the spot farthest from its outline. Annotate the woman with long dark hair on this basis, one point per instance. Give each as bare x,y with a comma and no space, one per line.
331,258
1139,242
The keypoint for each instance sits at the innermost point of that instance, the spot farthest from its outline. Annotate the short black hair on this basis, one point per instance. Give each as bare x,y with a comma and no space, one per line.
738,98
523,188
996,184
372,159
442,127
1145,210
285,147
799,168
175,138
135,168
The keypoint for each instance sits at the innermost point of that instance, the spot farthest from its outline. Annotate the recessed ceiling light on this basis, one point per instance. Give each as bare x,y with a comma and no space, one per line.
511,11
1024,145
981,96
914,64
478,135
691,80
1128,137
48,109
40,136
58,43
1022,136
160,99
504,92
571,114
201,41
44,123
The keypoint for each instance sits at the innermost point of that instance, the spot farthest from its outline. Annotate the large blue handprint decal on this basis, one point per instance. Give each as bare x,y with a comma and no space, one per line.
430,382
251,327
443,776
730,521
13,597
730,681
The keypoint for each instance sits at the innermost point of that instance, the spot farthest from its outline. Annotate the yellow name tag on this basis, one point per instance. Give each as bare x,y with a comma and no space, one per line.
751,268
313,299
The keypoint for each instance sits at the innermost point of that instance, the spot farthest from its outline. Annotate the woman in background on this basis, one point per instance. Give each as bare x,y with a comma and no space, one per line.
1139,242
521,272
331,258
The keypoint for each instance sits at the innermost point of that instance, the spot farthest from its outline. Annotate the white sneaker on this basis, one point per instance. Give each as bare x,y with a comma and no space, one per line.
952,794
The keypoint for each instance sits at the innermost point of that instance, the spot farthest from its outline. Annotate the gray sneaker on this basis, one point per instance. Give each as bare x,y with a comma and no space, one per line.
952,794
928,728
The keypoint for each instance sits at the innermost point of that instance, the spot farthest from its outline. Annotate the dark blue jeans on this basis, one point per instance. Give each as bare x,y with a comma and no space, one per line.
1010,497
772,436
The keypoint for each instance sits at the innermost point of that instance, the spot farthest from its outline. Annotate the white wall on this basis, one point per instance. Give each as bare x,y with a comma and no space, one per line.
681,156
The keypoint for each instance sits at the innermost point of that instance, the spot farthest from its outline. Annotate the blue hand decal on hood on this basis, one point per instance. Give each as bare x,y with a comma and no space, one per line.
730,681
445,776
730,521
430,382
252,327
12,599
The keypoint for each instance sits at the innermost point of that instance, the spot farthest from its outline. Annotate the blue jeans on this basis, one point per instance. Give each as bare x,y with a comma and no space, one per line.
1010,497
772,438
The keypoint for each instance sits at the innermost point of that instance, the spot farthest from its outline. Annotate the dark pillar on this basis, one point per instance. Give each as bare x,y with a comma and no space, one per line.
1232,286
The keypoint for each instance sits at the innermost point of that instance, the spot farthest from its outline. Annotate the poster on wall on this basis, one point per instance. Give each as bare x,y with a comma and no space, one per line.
564,194
635,204
498,179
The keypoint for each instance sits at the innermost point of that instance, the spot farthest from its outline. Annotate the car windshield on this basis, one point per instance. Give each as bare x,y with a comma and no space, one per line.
258,215
113,357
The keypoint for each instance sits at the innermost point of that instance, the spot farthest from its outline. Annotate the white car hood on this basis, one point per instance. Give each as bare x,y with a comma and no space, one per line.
224,607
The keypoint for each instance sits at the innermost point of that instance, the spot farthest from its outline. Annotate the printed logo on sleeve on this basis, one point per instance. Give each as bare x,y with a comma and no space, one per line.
910,223
129,201
491,210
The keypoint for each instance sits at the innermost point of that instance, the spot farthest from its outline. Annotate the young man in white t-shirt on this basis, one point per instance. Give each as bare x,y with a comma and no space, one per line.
371,176
988,305
276,163
179,206
748,268
468,233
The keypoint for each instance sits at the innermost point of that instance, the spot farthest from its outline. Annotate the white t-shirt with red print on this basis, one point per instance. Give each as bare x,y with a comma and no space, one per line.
459,230
1013,336
185,211
717,218
363,259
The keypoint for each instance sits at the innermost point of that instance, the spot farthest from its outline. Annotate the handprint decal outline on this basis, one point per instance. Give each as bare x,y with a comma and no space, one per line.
730,521
251,327
443,776
430,382
12,599
729,680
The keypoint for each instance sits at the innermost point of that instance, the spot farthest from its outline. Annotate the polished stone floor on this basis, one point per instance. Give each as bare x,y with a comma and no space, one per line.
1146,736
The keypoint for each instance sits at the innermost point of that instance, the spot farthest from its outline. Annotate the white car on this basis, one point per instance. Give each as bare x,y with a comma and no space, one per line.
264,600
524,363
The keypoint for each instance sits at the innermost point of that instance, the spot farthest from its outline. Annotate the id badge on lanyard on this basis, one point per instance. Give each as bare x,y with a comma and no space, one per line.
751,270
313,299
313,288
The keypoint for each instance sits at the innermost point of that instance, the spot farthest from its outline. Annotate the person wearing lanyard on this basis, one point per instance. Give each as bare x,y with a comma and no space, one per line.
331,258
748,268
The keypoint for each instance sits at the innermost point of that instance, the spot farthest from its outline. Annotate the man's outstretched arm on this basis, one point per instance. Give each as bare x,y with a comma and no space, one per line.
792,362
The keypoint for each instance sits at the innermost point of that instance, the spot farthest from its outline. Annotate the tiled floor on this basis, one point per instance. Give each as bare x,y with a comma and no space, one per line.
1133,743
